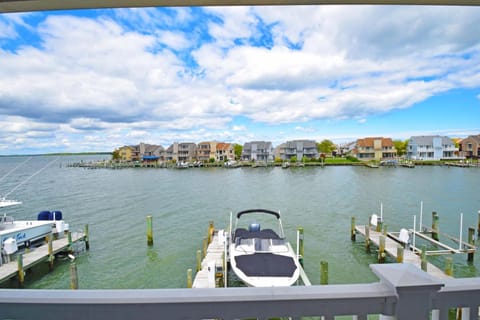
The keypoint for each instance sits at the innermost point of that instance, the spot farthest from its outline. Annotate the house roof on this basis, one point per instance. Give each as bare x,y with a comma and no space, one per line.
223,146
369,141
428,140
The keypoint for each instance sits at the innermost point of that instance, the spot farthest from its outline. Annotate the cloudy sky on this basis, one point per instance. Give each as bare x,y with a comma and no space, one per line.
94,80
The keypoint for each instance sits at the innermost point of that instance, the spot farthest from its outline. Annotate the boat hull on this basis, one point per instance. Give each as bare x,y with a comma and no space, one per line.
23,231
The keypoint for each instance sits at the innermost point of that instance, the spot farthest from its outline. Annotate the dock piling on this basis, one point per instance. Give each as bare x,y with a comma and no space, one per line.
435,229
423,256
367,238
449,266
471,241
352,229
323,272
300,245
381,249
400,254
51,257
199,260
149,231
189,278
478,224
205,247
211,229
70,242
73,276
87,239
21,273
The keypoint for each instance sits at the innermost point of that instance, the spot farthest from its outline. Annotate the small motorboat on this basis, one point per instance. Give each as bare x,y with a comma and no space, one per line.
262,257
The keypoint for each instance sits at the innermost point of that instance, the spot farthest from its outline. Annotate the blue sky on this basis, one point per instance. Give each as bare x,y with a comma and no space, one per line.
94,80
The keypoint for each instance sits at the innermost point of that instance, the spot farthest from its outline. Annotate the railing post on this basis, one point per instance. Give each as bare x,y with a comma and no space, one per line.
415,289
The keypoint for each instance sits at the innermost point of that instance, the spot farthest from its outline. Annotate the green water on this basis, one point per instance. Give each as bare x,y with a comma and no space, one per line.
115,204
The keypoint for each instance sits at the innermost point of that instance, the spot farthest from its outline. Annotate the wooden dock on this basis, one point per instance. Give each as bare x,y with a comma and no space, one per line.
38,255
213,263
408,255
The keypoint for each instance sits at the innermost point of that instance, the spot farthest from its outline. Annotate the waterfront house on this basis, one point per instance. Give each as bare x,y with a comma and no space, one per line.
126,153
187,152
206,150
258,151
171,154
151,152
431,148
375,148
470,147
298,149
224,152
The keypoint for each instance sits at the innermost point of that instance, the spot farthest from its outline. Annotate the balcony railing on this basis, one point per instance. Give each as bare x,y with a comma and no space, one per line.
404,292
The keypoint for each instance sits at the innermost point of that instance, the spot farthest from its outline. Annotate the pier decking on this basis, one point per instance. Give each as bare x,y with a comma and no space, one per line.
38,255
205,277
408,255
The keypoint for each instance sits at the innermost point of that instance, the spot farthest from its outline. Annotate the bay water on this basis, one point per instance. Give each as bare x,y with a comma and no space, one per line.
115,203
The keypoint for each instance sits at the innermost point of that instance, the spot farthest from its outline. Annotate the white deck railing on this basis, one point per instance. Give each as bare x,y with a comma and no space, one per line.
404,292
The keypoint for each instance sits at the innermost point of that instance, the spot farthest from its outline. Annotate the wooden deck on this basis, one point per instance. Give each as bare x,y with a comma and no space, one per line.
37,255
213,259
408,255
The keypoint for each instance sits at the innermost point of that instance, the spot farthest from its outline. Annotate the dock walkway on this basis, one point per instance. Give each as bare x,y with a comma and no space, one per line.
37,255
408,256
213,260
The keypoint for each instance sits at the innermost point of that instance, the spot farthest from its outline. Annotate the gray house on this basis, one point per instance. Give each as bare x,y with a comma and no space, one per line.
431,148
258,151
298,149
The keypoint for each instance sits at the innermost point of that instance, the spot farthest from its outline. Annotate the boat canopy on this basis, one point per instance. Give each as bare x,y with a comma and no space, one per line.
276,214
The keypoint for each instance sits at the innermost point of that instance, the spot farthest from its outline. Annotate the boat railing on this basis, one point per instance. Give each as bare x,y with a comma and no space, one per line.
403,292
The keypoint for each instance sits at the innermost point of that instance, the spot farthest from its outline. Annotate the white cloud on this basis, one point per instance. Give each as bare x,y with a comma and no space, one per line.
114,75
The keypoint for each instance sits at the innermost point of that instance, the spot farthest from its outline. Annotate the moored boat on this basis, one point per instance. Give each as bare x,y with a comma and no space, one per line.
18,233
262,257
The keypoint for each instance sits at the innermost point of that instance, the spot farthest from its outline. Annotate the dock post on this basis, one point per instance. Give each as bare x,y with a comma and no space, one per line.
70,242
435,230
449,266
211,229
323,272
199,260
352,229
384,230
205,246
51,257
300,245
149,231
471,241
423,258
379,225
381,249
478,227
87,239
21,273
73,276
367,238
189,278
400,254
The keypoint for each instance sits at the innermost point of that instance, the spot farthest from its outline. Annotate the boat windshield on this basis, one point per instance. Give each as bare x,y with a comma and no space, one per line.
263,245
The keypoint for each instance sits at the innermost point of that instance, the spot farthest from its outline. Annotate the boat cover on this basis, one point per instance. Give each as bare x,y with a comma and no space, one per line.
261,234
266,265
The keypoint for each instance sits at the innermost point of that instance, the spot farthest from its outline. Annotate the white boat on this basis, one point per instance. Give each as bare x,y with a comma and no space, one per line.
17,233
262,257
